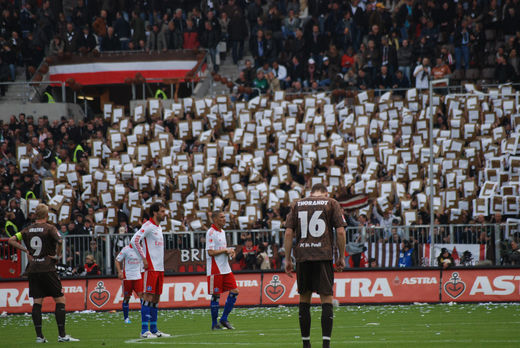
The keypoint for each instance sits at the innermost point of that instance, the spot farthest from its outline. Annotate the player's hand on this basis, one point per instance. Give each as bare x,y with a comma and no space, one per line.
340,264
120,275
145,264
231,252
289,268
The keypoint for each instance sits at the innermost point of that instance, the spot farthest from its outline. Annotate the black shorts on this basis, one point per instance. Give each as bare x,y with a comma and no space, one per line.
315,276
44,284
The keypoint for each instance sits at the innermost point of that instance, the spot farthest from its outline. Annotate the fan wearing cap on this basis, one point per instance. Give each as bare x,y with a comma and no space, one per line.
311,75
325,72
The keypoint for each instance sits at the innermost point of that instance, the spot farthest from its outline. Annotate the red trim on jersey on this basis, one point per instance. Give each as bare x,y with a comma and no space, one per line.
215,228
214,267
148,258
153,222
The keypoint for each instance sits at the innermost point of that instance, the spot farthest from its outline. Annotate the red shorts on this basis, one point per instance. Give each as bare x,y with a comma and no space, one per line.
153,282
135,285
220,283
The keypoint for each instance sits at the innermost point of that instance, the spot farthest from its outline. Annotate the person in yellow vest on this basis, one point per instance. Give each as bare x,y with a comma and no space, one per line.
10,227
50,99
160,94
78,152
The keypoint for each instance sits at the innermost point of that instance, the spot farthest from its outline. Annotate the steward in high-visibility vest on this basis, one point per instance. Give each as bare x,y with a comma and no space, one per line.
160,94
75,157
50,99
10,228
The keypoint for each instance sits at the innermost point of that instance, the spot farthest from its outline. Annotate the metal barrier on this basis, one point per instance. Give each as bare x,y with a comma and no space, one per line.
105,247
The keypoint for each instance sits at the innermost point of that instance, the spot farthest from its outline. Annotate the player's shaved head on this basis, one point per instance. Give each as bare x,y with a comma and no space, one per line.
41,212
216,214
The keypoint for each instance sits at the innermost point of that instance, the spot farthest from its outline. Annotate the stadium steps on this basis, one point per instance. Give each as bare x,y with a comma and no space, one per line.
19,92
230,71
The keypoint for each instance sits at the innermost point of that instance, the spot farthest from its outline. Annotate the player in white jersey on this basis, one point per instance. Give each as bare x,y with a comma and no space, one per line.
149,244
129,268
220,278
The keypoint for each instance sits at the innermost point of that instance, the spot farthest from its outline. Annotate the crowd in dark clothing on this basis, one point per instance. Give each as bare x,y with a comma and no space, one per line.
321,43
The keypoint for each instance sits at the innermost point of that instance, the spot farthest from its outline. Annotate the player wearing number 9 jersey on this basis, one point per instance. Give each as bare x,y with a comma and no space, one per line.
43,247
311,222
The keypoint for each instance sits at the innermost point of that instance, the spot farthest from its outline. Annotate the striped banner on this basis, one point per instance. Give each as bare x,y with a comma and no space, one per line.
102,73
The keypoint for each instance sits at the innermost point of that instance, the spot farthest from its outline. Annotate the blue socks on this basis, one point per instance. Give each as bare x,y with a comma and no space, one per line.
126,307
230,302
145,316
153,317
214,305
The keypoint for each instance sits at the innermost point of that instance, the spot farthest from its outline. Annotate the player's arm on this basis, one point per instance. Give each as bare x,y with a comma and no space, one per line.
210,248
288,240
136,244
119,258
341,240
14,241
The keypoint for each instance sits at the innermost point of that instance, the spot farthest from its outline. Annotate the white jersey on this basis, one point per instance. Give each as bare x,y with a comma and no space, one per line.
132,263
149,243
216,240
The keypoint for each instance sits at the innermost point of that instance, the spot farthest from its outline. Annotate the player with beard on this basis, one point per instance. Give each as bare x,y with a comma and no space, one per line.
149,244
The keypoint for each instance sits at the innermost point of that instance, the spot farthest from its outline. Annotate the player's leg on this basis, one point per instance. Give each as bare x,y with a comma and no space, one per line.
54,289
37,293
148,284
60,315
154,309
37,319
304,316
325,290
127,292
229,284
304,279
145,313
215,283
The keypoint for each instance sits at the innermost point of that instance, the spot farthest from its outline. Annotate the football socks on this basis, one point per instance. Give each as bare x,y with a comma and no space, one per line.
153,317
145,316
37,319
126,307
327,318
230,302
214,305
305,320
60,318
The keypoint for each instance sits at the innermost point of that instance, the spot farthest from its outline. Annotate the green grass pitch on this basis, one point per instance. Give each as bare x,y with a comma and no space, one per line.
450,325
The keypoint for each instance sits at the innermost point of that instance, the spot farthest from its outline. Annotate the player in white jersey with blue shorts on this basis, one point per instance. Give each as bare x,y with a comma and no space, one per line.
220,278
129,268
149,244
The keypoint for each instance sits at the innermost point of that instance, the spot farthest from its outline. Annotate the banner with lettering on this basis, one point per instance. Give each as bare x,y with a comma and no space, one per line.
472,285
364,286
14,297
178,292
361,287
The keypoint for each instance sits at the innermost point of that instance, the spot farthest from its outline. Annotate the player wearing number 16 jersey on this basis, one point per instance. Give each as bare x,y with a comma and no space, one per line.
311,222
43,246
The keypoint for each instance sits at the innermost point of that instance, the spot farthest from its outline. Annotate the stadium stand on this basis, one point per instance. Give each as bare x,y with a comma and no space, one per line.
252,154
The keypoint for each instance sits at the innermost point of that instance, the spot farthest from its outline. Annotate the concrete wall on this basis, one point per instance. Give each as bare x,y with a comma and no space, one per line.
52,111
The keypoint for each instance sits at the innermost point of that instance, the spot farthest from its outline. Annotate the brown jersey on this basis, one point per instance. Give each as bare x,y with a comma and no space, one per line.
41,240
313,220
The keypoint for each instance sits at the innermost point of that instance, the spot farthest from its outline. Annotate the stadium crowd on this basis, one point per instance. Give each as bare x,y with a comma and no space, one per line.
316,44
